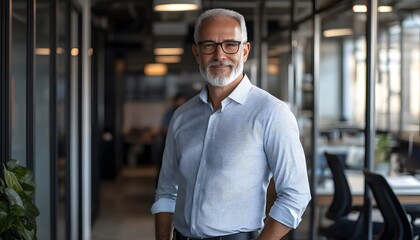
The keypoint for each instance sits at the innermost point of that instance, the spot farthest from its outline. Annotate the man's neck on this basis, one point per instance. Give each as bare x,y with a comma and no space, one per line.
217,94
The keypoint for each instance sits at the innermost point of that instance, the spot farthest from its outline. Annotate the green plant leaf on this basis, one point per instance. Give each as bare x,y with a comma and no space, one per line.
20,228
7,235
12,181
16,210
21,172
28,188
6,222
4,205
13,197
30,208
31,225
12,164
27,176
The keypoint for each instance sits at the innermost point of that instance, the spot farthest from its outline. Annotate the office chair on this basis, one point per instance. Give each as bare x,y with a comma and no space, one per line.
341,206
396,224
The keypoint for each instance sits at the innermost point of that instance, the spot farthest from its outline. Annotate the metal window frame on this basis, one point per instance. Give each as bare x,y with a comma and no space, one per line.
30,73
52,118
5,15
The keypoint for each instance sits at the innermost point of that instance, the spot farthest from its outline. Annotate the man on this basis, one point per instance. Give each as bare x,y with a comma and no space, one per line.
225,144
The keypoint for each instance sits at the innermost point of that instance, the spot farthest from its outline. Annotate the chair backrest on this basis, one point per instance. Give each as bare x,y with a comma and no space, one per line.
396,224
342,201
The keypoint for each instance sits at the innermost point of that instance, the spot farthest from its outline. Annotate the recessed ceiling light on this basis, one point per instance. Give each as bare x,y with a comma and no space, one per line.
175,6
155,69
338,32
168,51
167,59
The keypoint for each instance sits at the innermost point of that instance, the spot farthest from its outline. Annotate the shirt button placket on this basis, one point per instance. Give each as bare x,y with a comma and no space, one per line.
200,176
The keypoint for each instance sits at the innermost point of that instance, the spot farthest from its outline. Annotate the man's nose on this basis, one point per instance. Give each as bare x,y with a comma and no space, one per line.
220,54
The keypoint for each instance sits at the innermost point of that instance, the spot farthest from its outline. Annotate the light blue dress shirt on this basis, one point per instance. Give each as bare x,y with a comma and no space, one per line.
217,164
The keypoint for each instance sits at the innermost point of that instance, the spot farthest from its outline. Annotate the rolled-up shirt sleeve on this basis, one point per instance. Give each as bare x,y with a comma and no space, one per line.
166,192
288,165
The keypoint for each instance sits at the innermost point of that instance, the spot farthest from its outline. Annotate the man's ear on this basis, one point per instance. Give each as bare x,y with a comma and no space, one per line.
196,53
247,49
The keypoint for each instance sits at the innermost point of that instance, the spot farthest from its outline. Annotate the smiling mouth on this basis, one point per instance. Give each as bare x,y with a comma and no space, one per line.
220,66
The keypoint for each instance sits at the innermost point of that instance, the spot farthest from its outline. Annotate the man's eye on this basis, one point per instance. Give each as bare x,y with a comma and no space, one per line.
230,44
208,45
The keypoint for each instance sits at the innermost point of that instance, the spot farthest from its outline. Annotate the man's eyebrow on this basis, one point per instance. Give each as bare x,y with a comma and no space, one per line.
226,40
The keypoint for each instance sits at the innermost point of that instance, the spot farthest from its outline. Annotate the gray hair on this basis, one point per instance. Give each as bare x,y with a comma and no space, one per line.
220,12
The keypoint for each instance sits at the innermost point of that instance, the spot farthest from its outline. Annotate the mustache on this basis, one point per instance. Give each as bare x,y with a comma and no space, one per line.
226,63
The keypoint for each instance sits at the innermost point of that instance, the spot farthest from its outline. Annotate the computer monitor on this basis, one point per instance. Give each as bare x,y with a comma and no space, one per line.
410,156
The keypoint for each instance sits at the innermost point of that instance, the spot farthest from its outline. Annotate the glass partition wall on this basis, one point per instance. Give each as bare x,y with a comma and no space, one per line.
41,105
341,98
410,58
19,81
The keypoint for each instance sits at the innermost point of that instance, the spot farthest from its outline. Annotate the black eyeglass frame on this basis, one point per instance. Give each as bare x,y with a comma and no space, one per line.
221,45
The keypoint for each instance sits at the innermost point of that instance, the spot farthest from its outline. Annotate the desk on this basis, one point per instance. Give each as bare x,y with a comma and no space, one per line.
406,187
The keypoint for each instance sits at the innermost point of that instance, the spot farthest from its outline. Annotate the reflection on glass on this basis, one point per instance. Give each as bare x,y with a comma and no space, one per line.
18,81
394,67
278,69
42,123
62,118
303,60
411,68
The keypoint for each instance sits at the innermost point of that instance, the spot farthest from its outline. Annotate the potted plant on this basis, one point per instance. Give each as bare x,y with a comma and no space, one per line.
17,209
383,148
383,151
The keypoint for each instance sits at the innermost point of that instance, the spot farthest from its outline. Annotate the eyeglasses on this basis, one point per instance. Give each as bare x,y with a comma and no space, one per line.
228,47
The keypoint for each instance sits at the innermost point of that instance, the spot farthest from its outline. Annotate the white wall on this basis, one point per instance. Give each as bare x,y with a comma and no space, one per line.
329,75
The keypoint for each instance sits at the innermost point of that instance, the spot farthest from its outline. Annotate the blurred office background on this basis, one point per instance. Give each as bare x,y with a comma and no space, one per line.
85,85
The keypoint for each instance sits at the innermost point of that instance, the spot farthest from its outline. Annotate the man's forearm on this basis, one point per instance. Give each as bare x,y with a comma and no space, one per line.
273,230
163,226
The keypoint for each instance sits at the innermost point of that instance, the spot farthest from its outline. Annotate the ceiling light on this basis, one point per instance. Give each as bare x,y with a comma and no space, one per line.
90,52
384,9
174,6
168,51
338,32
155,69
168,59
42,51
360,8
74,52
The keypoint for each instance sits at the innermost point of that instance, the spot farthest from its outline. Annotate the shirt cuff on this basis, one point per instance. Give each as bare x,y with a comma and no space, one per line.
285,216
163,205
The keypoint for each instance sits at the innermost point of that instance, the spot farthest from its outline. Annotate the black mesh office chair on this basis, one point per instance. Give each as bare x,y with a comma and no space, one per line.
342,206
396,223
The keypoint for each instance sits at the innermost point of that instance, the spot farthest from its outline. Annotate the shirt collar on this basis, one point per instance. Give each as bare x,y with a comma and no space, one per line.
239,94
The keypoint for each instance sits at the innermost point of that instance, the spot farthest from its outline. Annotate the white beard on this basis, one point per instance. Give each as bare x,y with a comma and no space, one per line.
222,81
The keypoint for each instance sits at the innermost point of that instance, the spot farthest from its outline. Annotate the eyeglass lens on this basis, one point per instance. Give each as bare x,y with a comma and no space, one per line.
229,47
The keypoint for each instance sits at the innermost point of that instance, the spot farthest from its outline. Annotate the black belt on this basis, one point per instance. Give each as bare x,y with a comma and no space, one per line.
236,236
